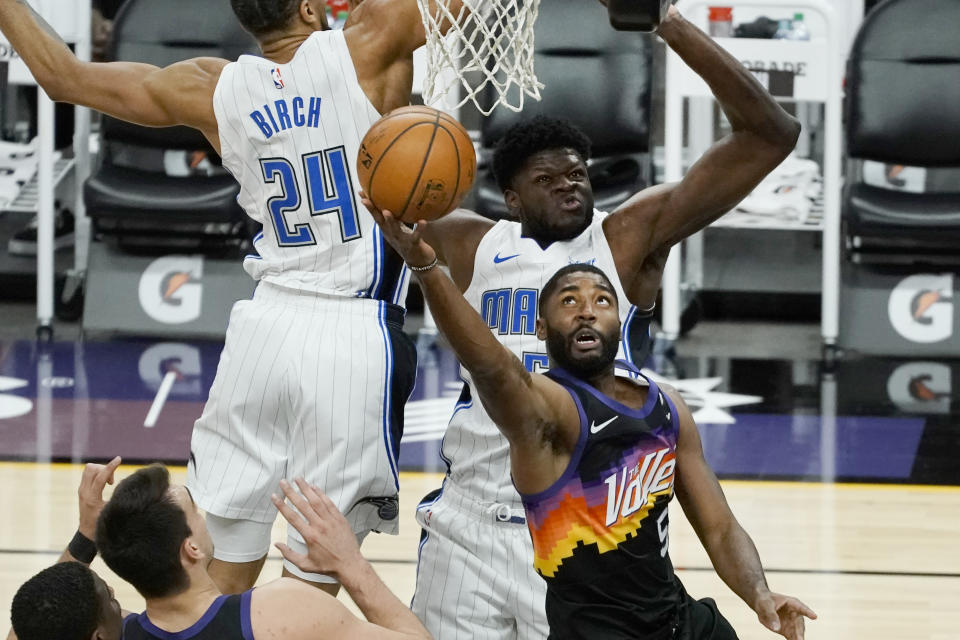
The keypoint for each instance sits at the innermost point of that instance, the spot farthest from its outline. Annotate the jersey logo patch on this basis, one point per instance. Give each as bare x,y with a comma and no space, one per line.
597,428
497,259
277,78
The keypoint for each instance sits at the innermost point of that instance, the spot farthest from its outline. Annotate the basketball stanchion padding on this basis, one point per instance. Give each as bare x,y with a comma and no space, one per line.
416,162
637,15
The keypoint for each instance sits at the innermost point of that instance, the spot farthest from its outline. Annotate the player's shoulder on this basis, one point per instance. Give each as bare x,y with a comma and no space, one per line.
461,229
381,10
467,220
195,73
381,15
675,397
206,65
283,587
290,607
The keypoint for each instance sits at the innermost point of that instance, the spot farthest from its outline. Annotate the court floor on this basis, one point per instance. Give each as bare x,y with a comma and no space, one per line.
874,561
848,478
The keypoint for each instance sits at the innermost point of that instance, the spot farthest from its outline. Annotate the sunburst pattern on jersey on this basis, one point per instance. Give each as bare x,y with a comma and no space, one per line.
575,514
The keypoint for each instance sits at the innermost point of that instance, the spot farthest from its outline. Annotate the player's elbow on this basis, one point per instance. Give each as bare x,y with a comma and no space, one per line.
790,134
775,137
61,85
58,92
773,144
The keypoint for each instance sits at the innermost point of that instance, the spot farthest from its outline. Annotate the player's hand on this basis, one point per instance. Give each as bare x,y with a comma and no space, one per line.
783,614
331,544
672,14
90,494
407,241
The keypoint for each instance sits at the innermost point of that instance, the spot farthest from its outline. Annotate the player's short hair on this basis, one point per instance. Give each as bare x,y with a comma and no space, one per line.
260,17
578,267
526,138
140,532
59,602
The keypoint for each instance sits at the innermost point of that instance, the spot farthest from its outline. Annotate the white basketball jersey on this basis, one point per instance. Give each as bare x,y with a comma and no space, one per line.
508,273
289,134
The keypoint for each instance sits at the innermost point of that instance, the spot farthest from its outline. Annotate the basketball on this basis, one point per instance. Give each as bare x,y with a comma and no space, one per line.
416,162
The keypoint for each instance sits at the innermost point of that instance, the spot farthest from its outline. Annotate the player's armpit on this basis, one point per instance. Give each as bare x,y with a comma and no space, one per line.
629,232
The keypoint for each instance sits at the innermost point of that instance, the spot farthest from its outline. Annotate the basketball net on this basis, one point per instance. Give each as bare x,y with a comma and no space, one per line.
490,46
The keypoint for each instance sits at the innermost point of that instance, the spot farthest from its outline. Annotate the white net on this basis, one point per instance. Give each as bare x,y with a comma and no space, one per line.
487,53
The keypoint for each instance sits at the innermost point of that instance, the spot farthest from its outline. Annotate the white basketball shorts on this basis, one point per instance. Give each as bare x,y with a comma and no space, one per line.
308,386
475,575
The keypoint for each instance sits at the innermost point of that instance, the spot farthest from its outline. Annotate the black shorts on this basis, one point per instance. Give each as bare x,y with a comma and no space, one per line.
701,620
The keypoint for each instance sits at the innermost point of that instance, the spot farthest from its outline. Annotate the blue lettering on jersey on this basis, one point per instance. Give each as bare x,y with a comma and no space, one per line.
298,119
523,318
284,114
509,311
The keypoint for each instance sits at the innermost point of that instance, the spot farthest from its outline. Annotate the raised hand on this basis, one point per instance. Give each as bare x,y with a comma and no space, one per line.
783,614
331,544
90,494
407,241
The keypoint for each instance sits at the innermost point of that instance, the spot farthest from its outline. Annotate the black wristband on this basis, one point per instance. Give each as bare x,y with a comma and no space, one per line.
82,548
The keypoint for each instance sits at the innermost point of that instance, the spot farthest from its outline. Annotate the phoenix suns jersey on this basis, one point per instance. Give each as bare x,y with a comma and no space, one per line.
228,617
289,134
600,532
509,272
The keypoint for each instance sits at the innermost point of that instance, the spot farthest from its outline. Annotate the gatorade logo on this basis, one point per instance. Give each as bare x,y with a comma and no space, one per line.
921,387
182,360
921,308
170,289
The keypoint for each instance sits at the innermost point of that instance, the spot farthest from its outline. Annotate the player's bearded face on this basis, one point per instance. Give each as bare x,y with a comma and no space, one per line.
580,323
555,196
562,347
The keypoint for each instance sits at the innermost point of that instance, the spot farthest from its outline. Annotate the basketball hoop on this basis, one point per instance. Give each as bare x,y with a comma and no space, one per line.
488,46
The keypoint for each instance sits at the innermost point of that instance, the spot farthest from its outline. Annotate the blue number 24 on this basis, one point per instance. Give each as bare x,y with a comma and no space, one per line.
329,190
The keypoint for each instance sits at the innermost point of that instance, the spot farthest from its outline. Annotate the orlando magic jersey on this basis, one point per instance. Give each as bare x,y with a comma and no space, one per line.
228,618
509,272
289,134
600,532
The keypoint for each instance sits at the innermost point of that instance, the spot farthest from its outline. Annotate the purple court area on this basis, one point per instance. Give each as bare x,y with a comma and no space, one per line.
91,400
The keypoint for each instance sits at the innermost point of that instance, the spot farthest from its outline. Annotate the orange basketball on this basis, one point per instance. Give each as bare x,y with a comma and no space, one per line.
416,162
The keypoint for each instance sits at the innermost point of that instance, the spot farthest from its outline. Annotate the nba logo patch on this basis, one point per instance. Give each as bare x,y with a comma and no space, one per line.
277,78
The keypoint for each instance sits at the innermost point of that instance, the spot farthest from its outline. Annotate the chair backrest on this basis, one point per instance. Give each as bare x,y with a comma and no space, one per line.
596,77
162,32
903,84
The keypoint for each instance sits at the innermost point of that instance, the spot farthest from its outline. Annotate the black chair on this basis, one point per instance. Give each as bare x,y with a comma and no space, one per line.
600,80
130,195
903,108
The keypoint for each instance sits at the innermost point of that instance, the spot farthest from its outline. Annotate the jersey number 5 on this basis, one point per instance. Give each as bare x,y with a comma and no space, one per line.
329,190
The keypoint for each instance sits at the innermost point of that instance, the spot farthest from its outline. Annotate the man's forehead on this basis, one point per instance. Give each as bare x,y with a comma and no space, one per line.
99,582
560,157
180,493
580,279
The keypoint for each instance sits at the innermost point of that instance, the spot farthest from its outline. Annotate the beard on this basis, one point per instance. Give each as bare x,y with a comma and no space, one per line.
541,229
560,350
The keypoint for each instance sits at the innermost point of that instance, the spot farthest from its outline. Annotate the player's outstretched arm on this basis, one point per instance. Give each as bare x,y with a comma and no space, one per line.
90,501
301,611
730,548
141,93
762,135
537,415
